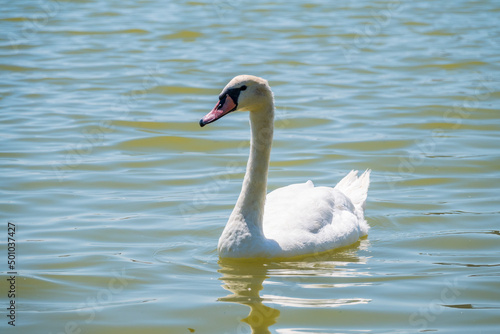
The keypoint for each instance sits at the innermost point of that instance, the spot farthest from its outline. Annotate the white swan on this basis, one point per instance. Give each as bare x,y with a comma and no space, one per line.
296,220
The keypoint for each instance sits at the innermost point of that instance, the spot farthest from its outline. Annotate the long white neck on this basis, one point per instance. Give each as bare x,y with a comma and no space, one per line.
246,218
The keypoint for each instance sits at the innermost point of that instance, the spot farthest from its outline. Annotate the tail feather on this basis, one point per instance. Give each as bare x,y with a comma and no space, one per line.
356,189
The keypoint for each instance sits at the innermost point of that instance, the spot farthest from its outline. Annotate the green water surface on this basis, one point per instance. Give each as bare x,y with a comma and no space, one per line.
119,197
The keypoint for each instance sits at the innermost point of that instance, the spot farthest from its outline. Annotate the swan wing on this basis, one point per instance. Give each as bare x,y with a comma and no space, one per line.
304,219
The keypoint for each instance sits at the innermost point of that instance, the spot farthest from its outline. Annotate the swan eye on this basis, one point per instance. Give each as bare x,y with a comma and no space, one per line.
243,87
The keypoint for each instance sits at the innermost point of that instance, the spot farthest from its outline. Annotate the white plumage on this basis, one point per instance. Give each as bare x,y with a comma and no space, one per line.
295,220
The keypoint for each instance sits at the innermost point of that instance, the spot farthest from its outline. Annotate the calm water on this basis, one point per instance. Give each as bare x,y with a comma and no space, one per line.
119,197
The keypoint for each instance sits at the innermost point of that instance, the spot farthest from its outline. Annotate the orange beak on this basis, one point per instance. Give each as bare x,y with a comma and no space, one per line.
223,107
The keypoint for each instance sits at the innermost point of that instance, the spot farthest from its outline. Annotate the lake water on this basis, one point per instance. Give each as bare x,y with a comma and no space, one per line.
119,197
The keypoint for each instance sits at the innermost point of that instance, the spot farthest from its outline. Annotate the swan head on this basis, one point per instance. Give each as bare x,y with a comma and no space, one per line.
242,93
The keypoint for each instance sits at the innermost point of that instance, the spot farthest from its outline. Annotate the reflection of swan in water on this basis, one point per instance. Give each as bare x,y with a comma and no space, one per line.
245,280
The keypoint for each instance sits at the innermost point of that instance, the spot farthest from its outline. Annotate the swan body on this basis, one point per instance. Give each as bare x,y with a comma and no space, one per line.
295,220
